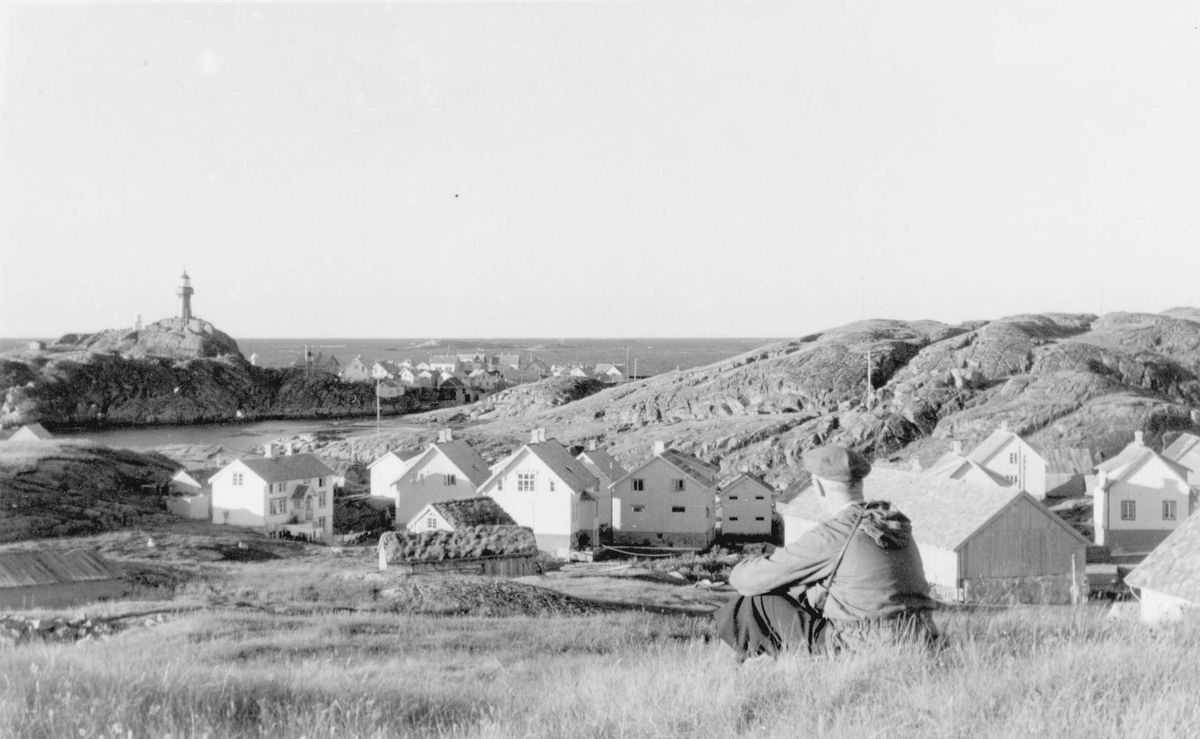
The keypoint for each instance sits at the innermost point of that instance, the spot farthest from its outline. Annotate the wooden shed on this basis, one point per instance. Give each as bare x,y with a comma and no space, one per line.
57,579
979,543
498,551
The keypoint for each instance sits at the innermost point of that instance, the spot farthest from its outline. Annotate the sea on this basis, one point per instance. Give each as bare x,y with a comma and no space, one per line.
646,357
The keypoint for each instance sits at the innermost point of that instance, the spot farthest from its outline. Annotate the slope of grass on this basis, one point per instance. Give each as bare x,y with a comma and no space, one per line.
1036,672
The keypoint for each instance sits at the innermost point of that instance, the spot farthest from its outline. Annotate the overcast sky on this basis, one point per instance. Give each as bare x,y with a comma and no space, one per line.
595,169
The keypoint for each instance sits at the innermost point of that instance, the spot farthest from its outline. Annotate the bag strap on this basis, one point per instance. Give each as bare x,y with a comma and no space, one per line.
829,580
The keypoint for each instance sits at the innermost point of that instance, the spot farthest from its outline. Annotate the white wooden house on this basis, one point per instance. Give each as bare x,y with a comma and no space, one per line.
447,470
747,506
1168,579
607,470
953,465
978,542
387,469
454,515
1139,498
1014,459
546,489
355,371
668,501
292,492
443,363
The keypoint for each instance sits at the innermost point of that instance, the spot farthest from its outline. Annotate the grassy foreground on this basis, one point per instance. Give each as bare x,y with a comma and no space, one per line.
222,673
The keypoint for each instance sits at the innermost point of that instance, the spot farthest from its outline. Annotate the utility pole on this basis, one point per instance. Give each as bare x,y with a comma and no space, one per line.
377,406
870,387
627,361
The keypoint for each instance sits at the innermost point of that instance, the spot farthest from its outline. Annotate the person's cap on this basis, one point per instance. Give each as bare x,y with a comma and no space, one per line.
836,463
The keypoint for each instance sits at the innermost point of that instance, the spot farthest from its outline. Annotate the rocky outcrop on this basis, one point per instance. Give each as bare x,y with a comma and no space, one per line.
1071,380
173,338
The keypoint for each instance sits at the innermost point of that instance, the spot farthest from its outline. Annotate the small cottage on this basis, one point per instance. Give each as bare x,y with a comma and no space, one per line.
453,515
355,370
498,551
747,506
978,542
292,492
1169,577
48,579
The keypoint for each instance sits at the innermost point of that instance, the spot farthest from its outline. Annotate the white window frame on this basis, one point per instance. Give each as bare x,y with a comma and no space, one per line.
1170,510
638,484
1132,515
526,482
238,479
677,485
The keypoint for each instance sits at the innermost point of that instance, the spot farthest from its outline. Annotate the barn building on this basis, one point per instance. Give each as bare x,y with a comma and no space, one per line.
57,579
979,543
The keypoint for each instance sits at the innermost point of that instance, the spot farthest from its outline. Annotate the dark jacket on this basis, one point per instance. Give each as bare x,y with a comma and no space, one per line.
881,575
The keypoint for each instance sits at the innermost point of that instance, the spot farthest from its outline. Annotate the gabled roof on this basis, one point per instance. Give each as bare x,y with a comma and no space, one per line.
605,462
462,456
481,511
945,513
1186,447
34,430
1173,568
1069,460
405,455
554,455
286,467
23,569
748,477
1132,458
994,443
700,472
955,467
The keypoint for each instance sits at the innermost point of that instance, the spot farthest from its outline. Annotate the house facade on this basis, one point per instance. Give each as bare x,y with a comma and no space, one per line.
607,470
387,469
747,506
1139,498
356,370
547,490
1014,459
292,492
668,501
447,470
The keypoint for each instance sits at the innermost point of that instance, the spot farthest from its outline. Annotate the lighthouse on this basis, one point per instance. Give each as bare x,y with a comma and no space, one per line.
185,296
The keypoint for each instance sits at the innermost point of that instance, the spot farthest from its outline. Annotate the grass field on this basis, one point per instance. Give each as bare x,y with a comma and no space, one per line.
307,650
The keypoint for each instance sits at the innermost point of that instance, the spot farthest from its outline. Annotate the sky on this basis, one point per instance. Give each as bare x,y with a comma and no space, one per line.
576,169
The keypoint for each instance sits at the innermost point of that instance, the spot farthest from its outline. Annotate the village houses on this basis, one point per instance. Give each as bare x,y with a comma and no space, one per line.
1014,459
1139,498
1185,451
543,487
747,506
292,492
668,501
355,371
607,470
447,470
953,465
387,469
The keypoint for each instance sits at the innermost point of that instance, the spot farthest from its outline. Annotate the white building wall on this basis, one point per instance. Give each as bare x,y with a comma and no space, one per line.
385,472
1148,488
1156,607
427,482
746,509
1018,462
546,511
238,505
658,498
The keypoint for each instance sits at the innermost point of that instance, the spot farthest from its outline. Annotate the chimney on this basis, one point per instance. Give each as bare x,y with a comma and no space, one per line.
592,445
269,450
445,435
533,436
291,448
916,466
1137,438
659,447
956,447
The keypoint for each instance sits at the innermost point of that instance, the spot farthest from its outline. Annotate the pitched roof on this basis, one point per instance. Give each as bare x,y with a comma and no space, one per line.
479,511
287,467
466,459
1069,460
404,455
955,467
605,462
36,430
749,477
572,472
300,492
944,512
1173,568
443,359
1185,447
700,472
21,569
994,443
1131,459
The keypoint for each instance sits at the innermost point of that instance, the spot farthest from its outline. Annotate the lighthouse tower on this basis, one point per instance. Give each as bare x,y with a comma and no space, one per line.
185,297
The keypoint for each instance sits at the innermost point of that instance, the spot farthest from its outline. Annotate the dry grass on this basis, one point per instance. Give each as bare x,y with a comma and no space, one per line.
1029,673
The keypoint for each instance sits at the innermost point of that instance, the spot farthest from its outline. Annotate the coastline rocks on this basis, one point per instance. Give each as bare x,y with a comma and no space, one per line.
172,338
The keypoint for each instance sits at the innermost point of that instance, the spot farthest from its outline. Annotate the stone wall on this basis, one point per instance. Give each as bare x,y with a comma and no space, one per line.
1045,590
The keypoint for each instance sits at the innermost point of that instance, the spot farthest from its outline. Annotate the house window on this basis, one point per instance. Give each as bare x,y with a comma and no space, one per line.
639,508
639,484
278,506
733,497
1012,457
431,523
237,479
677,485
450,480
321,501
524,482
320,482
500,485
678,509
759,518
1168,510
321,523
1128,510
552,486
733,518
758,497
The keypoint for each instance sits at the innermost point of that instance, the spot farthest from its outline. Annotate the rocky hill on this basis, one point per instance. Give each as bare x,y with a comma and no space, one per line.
169,373
1061,380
